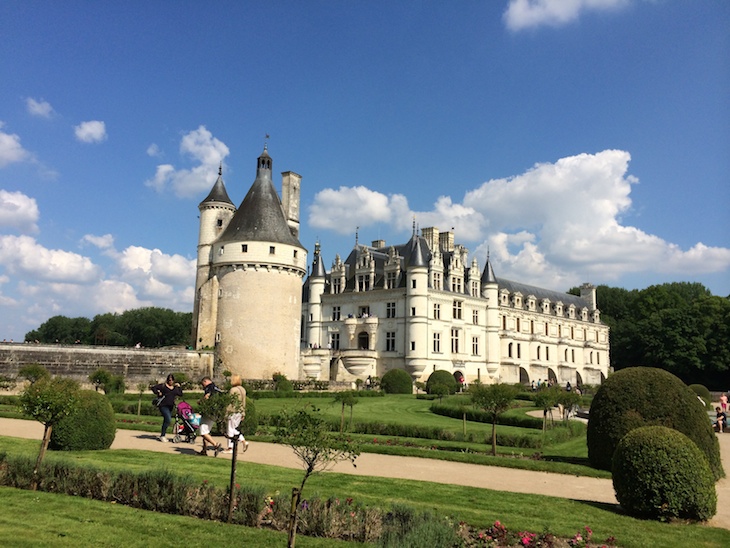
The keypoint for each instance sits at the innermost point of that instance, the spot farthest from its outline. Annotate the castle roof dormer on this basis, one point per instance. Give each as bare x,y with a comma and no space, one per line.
260,216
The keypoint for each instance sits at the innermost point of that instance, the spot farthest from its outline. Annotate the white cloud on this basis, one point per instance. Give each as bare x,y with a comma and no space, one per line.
18,211
42,109
523,14
346,208
556,225
93,131
23,256
154,151
204,149
11,150
102,242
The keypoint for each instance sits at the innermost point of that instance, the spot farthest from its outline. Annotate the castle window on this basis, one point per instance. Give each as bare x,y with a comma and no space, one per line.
390,280
220,223
474,289
336,285
336,313
390,310
413,345
572,333
454,341
538,352
456,285
475,317
413,284
244,248
546,329
364,311
519,351
413,311
509,350
532,326
437,280
547,353
572,355
390,341
437,342
518,324
295,253
218,337
504,323
335,341
272,250
457,310
475,346
436,311
363,282
220,251
598,358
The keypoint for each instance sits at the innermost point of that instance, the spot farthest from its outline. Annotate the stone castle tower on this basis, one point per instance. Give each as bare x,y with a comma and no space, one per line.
249,276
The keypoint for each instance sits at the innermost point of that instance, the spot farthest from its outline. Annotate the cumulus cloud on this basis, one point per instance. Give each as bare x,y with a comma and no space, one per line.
524,14
11,150
102,242
555,225
202,148
42,109
154,151
93,131
346,208
18,211
24,256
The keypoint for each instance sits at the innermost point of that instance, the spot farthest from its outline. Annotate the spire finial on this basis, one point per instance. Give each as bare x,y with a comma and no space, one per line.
487,253
266,142
220,169
414,225
357,229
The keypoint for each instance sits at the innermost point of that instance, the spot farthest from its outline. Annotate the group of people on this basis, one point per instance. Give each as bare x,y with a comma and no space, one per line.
170,390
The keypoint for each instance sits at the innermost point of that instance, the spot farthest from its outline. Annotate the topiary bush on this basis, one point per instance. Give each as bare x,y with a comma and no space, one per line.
90,426
397,381
659,473
441,377
703,392
647,396
250,423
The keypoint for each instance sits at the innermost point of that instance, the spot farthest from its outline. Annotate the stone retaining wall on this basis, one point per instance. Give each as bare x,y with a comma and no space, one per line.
78,361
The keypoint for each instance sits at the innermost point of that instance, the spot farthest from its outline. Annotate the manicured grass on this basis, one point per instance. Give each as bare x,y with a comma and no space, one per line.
60,520
480,507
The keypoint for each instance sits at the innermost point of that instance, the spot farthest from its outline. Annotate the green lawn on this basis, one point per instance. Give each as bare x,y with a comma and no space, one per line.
479,507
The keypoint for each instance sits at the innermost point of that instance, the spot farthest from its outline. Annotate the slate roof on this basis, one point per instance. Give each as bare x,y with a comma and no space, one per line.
218,192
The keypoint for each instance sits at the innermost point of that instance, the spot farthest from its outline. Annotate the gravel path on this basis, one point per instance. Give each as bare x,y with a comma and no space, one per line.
369,464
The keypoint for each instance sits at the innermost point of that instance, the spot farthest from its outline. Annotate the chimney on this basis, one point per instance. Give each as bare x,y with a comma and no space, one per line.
291,184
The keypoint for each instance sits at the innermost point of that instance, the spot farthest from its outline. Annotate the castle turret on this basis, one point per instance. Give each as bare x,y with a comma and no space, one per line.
259,265
490,291
316,289
216,211
416,307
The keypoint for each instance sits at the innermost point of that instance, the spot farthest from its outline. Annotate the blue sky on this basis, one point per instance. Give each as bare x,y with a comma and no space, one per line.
581,140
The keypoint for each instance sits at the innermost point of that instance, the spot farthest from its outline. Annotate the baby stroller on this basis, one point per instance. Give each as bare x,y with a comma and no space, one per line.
186,423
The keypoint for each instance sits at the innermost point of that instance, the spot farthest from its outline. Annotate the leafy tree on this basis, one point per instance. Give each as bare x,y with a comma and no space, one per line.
308,434
568,400
48,400
346,398
100,379
495,399
546,398
439,390
33,372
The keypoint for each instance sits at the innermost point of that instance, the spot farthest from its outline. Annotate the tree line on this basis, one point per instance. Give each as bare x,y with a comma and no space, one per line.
150,327
680,327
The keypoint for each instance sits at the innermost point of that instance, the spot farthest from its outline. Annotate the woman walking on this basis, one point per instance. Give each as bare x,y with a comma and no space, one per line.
236,414
168,391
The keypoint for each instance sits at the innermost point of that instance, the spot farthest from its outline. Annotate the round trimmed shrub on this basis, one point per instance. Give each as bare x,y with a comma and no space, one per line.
397,381
702,391
647,396
660,473
250,423
90,426
441,377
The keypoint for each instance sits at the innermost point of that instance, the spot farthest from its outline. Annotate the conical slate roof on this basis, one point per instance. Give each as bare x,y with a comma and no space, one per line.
488,276
218,192
318,270
260,216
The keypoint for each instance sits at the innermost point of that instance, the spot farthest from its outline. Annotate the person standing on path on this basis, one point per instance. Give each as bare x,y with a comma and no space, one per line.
168,391
237,411
723,401
206,423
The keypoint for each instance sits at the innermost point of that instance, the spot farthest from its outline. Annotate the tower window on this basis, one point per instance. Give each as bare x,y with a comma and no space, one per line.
244,248
390,310
336,313
272,250
220,223
437,342
390,341
295,253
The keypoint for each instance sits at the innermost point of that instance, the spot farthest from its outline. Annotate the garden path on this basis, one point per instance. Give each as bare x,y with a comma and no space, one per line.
388,466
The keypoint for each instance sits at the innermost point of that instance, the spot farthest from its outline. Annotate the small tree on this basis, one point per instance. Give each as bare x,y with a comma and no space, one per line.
495,399
568,400
546,398
100,379
307,433
33,372
439,390
48,400
141,388
346,398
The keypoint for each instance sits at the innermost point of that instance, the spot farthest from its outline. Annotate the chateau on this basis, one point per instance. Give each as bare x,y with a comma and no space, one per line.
418,306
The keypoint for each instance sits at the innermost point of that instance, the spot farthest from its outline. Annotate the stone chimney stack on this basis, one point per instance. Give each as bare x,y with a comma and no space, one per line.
291,188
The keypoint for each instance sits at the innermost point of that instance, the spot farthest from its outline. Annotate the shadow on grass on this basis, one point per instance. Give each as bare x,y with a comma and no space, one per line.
583,461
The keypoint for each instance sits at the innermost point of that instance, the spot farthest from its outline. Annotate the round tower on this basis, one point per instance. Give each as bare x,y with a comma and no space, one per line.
259,264
417,309
316,289
490,291
216,211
